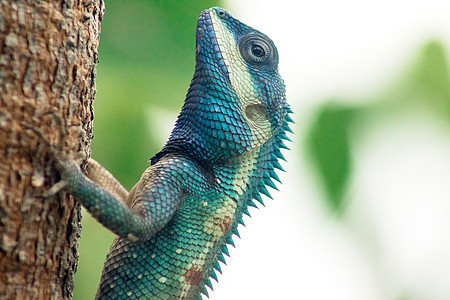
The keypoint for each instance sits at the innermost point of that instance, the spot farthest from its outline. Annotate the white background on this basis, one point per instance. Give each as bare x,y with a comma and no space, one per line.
394,240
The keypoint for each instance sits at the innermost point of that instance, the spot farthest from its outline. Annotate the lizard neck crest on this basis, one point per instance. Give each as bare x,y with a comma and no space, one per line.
236,101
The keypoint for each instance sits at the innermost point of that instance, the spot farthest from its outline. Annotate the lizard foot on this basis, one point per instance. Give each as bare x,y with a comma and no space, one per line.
55,151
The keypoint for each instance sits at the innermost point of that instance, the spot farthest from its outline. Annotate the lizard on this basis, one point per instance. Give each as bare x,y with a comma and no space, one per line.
174,226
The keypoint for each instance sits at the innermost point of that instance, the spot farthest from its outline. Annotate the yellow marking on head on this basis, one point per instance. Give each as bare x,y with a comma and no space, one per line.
240,79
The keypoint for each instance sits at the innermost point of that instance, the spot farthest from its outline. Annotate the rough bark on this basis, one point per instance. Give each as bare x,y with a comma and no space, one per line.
48,54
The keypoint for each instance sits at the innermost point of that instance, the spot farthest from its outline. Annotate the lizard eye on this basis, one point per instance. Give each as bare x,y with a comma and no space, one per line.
221,13
257,49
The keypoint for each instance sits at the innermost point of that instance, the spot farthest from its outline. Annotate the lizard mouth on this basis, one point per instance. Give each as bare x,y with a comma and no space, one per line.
207,46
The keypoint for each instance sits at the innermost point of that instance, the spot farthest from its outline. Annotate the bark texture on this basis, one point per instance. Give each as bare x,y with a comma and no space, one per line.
48,54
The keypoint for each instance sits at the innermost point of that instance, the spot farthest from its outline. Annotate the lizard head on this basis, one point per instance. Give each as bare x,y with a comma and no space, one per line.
236,101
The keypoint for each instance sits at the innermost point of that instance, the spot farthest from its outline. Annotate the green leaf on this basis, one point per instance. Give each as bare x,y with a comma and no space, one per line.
328,145
428,81
426,85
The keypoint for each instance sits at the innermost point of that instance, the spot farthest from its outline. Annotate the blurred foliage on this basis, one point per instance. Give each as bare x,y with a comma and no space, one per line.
329,145
425,86
147,59
428,82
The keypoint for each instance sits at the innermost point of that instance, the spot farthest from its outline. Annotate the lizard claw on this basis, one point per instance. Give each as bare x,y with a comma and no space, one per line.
54,150
55,189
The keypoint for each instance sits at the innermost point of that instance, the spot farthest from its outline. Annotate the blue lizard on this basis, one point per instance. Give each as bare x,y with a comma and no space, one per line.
173,227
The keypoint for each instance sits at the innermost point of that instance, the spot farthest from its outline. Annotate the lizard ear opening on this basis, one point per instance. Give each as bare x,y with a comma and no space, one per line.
254,112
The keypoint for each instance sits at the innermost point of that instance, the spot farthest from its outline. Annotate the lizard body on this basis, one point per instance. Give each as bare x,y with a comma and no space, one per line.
174,226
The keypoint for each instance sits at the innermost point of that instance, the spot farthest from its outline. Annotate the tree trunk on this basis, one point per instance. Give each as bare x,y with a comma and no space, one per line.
48,54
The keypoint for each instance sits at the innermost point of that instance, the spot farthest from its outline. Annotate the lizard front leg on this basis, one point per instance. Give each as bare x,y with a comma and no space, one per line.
145,210
98,174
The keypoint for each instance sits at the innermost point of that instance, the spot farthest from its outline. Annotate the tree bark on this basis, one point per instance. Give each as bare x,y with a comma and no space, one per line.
48,55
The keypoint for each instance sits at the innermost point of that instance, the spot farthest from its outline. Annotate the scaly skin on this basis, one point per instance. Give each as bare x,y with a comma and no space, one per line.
174,225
